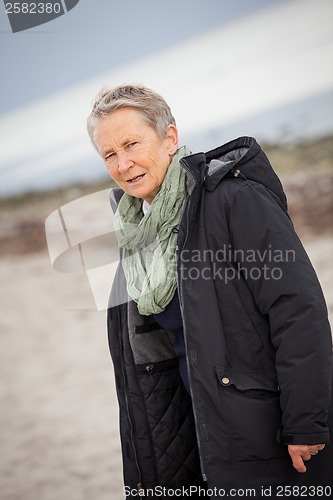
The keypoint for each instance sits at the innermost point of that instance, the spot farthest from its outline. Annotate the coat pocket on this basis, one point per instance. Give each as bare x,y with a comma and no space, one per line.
251,407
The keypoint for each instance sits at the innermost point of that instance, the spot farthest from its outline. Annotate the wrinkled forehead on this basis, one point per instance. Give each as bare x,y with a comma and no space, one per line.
121,126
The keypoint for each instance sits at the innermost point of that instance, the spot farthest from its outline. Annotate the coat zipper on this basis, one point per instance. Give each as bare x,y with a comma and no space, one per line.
187,209
128,411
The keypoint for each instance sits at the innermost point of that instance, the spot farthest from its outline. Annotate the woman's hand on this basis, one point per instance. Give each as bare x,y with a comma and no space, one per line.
301,453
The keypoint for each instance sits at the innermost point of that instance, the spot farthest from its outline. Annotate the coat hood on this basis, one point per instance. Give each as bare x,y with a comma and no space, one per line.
242,157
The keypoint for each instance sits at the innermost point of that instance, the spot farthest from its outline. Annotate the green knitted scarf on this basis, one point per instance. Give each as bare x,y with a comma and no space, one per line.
149,258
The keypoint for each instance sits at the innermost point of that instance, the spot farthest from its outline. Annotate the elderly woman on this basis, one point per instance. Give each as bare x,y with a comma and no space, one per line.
222,352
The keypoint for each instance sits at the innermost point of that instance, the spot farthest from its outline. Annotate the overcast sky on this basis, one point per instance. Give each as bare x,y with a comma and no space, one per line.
102,35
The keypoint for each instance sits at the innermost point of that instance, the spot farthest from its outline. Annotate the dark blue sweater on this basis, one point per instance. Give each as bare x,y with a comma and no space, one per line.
171,319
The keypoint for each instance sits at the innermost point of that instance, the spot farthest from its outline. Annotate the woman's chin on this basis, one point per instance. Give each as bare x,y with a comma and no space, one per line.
140,192
137,192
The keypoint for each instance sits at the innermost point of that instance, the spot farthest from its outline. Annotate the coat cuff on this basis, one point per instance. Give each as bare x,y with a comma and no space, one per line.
319,438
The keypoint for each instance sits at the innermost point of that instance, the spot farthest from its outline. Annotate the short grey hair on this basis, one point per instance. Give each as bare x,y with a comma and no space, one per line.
153,107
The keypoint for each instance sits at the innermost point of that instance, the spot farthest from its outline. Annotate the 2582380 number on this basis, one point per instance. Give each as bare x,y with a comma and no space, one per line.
33,8
303,491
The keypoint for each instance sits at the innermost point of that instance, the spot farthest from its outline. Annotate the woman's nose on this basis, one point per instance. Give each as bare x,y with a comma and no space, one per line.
124,161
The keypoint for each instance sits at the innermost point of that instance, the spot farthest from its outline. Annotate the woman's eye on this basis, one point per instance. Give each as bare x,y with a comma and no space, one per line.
110,156
131,144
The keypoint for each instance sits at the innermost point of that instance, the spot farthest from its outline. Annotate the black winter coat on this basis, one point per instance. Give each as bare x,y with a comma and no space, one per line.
258,343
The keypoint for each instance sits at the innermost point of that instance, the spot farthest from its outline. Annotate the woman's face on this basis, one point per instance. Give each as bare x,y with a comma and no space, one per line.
135,156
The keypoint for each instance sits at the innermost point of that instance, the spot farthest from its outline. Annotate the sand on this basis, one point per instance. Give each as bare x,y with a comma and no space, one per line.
59,416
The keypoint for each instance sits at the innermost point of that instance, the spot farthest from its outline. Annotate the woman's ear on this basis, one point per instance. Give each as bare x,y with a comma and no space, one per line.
171,137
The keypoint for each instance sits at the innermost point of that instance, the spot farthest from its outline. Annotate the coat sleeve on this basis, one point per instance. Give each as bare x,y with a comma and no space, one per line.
286,289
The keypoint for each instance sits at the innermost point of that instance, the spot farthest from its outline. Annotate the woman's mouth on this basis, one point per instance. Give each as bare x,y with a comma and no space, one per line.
135,179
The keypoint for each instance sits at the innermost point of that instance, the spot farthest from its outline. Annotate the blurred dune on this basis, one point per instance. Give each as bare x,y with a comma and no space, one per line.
59,417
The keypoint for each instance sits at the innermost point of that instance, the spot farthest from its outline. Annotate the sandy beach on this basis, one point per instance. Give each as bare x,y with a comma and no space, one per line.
59,416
